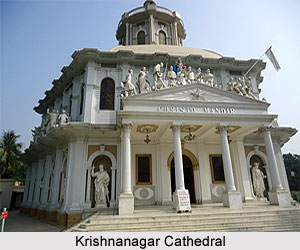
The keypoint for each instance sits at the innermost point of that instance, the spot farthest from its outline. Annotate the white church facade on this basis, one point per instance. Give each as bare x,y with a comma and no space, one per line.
148,119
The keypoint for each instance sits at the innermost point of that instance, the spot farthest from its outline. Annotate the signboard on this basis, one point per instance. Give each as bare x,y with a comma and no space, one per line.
190,109
4,215
182,201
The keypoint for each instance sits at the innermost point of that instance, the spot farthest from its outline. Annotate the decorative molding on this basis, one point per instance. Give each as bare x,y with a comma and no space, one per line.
190,128
147,128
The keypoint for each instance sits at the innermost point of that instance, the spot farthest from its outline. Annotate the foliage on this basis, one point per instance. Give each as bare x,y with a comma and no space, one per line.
10,152
292,164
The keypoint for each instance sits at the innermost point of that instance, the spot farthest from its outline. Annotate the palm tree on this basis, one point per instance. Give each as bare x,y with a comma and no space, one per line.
10,152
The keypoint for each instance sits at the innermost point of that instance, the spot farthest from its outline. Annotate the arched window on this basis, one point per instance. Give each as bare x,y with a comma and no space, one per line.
162,37
107,94
141,37
81,99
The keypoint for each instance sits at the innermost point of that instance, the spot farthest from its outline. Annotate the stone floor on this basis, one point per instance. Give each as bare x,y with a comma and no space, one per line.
17,222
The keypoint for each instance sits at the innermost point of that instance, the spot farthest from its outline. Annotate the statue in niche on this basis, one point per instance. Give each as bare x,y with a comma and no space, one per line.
258,181
190,75
172,77
199,76
141,81
52,117
209,78
101,186
157,75
63,118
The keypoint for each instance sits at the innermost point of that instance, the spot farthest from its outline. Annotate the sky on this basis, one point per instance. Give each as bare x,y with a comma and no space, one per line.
39,37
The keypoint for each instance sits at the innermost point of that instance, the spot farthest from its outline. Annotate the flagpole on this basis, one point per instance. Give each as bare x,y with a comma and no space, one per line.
257,61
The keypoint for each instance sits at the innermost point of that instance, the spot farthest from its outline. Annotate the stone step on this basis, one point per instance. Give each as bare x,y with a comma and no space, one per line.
190,224
203,220
179,217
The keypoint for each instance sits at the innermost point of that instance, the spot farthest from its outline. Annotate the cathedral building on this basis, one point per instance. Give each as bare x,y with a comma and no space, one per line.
152,122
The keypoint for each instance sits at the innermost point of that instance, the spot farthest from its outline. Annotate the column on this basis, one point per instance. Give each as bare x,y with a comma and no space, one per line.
88,202
40,172
179,176
126,199
113,185
181,193
27,186
32,184
278,195
127,33
231,197
44,197
205,175
55,181
240,164
90,80
75,179
175,34
151,29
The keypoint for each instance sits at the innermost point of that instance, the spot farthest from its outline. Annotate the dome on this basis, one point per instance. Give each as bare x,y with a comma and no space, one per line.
170,49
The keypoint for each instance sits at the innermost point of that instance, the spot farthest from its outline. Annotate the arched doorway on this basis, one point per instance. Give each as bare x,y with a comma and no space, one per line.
256,158
106,162
188,177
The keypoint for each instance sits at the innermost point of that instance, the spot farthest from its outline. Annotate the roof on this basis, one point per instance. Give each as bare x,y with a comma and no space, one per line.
170,49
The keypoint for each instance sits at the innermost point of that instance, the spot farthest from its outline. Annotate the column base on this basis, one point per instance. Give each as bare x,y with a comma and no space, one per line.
232,199
41,214
280,197
181,201
126,204
51,216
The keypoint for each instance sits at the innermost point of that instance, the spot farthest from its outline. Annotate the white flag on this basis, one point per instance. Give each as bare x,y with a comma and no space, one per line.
269,53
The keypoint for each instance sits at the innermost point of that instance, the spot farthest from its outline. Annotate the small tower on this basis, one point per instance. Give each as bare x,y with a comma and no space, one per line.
151,24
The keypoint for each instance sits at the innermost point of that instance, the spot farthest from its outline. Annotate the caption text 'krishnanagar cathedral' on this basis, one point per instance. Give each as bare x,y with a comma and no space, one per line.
153,122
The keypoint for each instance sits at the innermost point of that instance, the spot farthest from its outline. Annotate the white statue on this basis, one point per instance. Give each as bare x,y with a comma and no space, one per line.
230,85
249,88
181,76
258,181
127,86
141,81
172,77
209,78
63,118
190,75
157,75
239,87
52,117
199,76
101,186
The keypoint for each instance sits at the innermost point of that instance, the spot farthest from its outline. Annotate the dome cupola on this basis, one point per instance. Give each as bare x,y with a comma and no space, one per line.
151,24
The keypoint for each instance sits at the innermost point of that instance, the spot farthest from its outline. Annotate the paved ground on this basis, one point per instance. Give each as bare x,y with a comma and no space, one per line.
17,222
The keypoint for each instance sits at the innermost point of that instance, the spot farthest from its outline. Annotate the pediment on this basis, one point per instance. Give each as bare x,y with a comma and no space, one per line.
196,93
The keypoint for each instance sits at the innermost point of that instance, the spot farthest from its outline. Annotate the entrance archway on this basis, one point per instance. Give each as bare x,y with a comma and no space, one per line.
107,164
188,177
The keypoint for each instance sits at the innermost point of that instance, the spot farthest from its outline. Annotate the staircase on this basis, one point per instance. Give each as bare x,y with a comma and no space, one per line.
256,217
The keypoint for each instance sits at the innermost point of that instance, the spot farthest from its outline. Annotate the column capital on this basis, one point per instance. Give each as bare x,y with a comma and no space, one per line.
222,128
126,127
265,129
175,127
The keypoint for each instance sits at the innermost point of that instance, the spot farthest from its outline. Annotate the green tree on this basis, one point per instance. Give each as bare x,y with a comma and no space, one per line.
10,152
292,165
